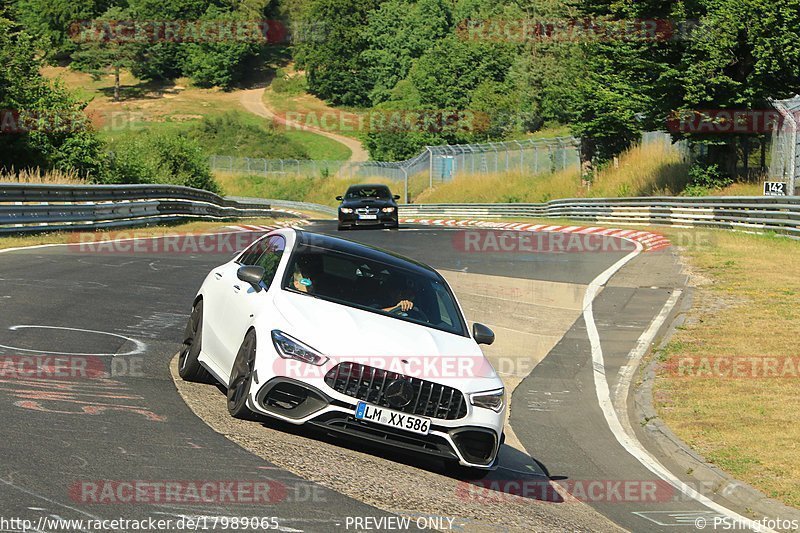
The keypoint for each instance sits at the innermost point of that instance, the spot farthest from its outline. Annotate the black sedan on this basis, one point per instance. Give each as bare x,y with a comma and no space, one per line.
368,205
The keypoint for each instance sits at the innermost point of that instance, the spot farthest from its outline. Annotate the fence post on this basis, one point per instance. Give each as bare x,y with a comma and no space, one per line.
430,167
405,176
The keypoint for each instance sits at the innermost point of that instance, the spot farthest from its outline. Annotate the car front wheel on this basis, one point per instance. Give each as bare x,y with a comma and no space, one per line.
189,368
241,378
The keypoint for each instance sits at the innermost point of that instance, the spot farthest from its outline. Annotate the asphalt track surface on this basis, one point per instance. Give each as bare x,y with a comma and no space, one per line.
61,435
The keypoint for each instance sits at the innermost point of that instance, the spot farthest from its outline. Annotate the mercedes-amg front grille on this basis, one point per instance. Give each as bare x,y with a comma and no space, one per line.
369,384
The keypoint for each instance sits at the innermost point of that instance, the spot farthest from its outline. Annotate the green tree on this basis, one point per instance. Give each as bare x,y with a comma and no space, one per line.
397,33
335,68
221,63
452,68
102,47
742,53
45,125
55,21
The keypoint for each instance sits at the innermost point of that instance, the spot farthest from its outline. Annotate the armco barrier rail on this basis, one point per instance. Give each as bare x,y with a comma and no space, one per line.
755,213
28,208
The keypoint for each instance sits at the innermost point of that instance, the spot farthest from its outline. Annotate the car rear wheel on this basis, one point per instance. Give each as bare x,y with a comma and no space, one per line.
189,368
241,378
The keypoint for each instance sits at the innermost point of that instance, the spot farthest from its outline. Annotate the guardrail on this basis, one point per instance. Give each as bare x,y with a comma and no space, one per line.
29,208
36,208
757,213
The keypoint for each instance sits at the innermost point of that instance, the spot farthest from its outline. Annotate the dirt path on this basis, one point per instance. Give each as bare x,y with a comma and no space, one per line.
253,101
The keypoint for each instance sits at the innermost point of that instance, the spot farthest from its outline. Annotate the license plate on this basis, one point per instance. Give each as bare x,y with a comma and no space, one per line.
395,419
368,217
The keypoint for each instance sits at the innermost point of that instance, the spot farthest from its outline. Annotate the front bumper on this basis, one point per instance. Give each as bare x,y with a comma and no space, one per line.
468,440
349,220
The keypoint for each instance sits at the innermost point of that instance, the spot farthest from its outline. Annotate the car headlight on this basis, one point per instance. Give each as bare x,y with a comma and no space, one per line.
345,210
388,209
490,399
291,348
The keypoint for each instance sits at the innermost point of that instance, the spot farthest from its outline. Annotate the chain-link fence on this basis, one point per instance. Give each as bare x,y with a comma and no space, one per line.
688,152
441,163
785,154
275,167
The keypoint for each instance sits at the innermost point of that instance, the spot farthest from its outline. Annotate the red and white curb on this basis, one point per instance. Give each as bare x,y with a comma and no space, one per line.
277,225
649,240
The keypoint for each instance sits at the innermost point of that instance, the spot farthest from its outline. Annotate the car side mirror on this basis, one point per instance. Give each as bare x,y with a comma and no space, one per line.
339,198
252,275
396,196
482,334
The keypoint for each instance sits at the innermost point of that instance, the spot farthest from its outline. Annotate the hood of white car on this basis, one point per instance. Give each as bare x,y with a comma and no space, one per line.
348,334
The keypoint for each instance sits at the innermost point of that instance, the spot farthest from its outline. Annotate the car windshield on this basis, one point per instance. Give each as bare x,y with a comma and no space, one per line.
409,294
356,193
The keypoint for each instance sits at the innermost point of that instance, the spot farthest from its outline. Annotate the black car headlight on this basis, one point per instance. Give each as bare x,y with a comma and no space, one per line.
345,210
291,348
493,400
388,209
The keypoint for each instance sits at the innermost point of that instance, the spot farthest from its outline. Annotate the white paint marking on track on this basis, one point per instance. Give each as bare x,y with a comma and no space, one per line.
642,345
140,347
629,441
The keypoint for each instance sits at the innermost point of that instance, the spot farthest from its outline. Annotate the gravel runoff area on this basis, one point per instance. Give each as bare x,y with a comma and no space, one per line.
389,482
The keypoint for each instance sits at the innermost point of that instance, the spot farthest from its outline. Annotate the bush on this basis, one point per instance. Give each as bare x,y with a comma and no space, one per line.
162,158
708,176
289,85
231,134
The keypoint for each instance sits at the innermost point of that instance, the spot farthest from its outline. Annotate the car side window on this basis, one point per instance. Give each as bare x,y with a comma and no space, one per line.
273,249
251,255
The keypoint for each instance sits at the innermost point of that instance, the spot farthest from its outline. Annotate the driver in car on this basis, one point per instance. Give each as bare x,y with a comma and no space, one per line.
404,296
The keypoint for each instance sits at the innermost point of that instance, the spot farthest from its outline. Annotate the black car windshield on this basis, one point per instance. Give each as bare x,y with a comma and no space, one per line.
357,193
411,295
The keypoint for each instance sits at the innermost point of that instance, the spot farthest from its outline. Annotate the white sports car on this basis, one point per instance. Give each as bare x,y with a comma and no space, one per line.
360,342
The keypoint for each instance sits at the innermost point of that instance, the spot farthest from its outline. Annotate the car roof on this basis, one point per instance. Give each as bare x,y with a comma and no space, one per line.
338,244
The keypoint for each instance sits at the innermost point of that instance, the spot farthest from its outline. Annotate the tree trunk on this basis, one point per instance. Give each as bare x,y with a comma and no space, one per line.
116,83
746,157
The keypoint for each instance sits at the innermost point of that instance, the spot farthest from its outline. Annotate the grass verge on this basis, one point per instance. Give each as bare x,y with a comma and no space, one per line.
745,307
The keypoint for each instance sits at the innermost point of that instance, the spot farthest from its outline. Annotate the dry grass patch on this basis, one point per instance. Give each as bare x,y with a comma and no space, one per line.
37,175
747,307
143,102
642,171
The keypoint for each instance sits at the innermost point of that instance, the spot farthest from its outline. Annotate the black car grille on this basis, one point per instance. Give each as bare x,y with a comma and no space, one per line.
369,384
367,210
